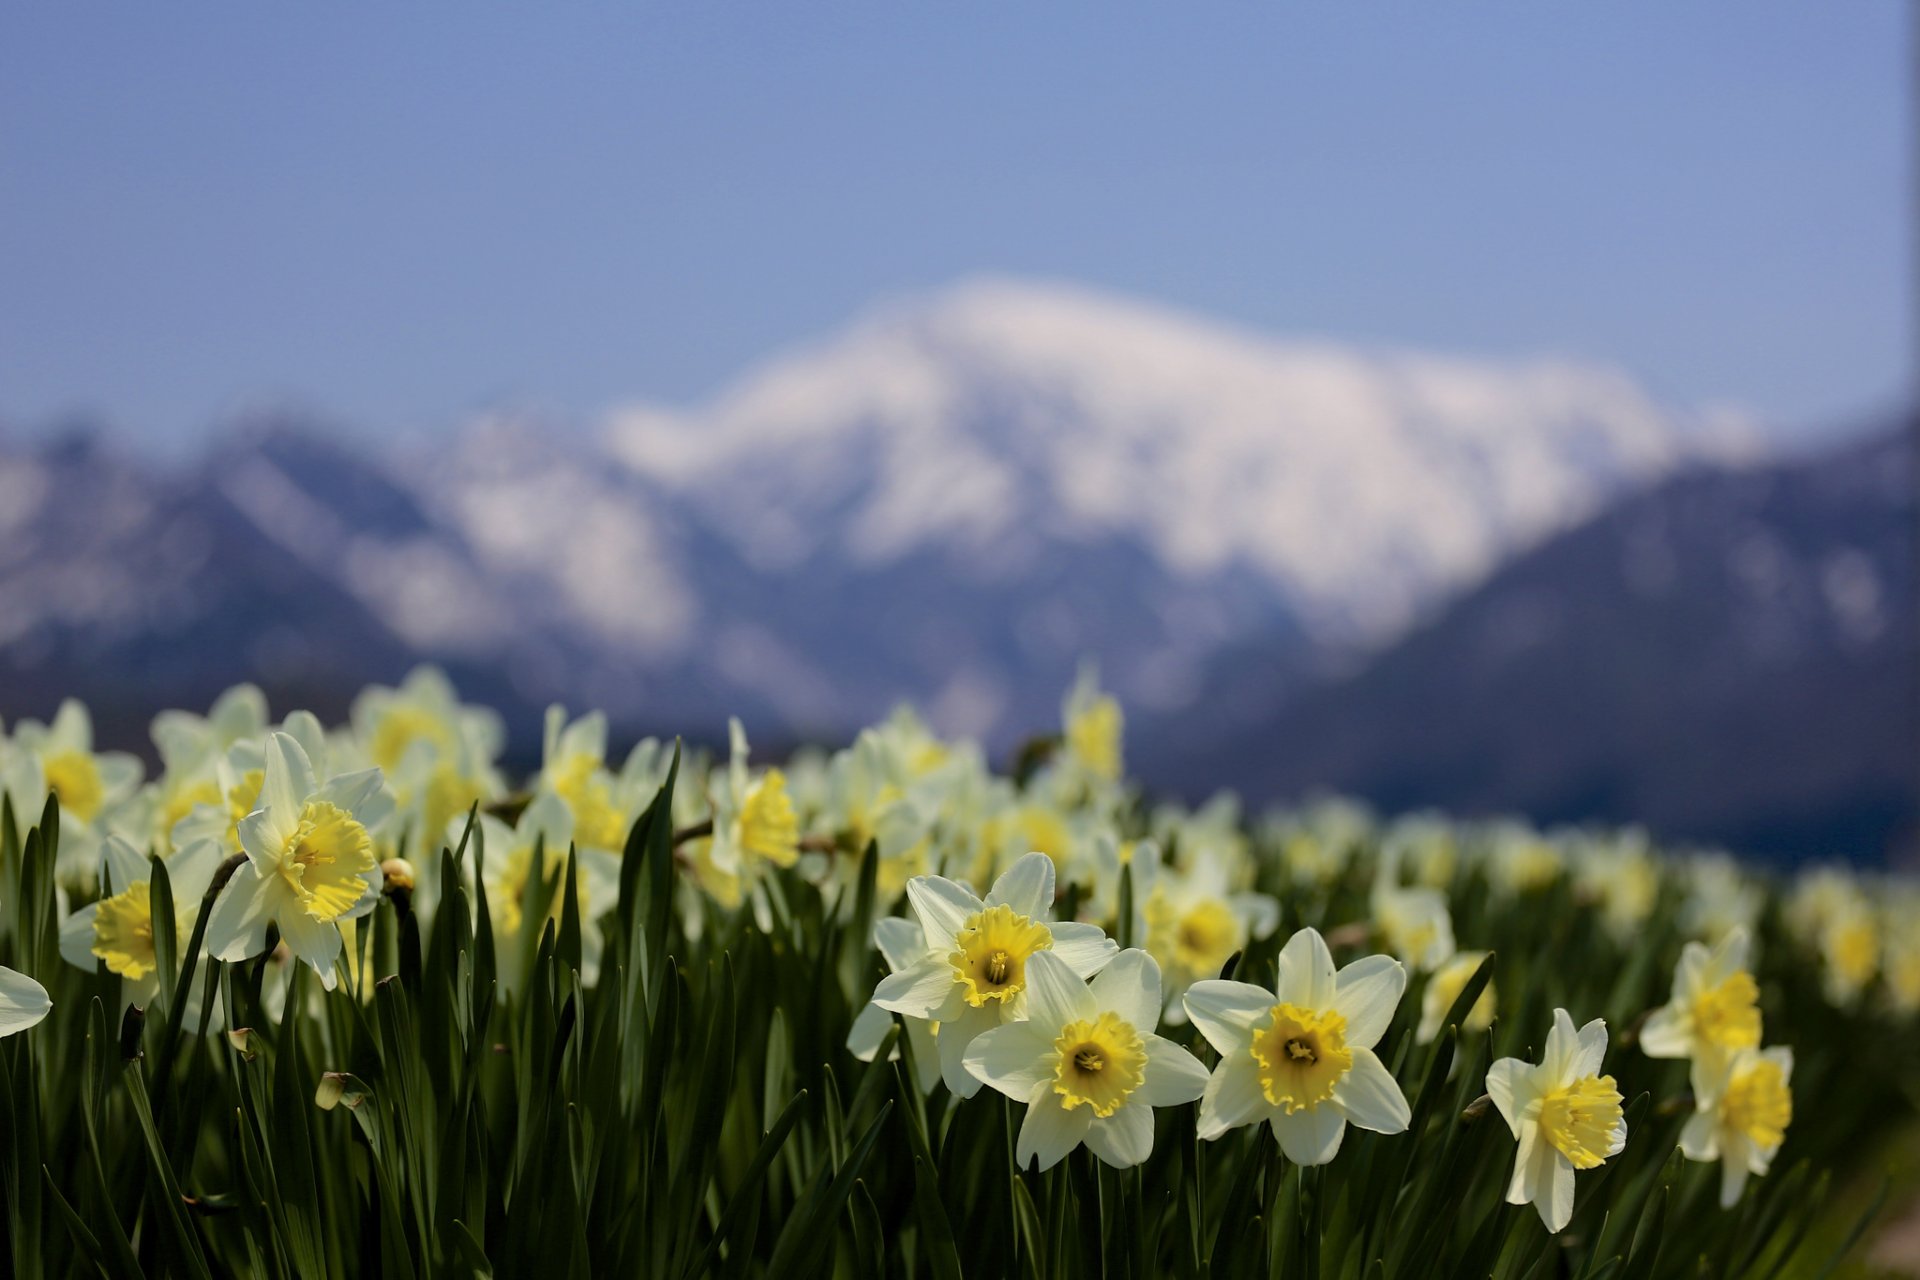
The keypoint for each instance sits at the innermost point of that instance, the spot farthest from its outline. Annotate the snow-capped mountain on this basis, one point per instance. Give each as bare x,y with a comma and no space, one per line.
954,500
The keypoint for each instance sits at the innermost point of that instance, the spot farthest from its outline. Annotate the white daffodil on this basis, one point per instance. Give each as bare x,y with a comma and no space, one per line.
1301,1057
546,824
191,748
23,1002
1191,922
604,804
1414,924
902,944
117,930
1619,874
1086,1061
1714,1008
58,759
310,861
1565,1115
1444,987
1743,1107
972,974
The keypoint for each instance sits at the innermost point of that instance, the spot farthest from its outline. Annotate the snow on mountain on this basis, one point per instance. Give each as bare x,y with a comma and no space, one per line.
999,415
954,500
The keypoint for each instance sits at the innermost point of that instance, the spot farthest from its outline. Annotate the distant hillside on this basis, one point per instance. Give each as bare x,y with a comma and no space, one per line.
1730,657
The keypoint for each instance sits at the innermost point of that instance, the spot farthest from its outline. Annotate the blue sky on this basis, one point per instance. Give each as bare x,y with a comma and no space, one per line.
399,214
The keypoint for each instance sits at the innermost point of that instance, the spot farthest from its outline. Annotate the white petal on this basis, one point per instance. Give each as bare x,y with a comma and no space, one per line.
1510,1085
1085,947
926,1053
1306,971
1370,1095
1733,1180
1026,886
125,864
76,938
1666,1034
1130,987
919,991
1700,1139
352,791
237,927
1563,1047
1226,1012
1731,954
1173,1075
1312,1136
1232,1097
1523,1186
1050,1130
1056,995
1366,994
1690,974
1591,1050
23,1002
1556,1207
943,907
263,838
1012,1057
1123,1139
314,941
900,940
869,1028
955,1037
288,780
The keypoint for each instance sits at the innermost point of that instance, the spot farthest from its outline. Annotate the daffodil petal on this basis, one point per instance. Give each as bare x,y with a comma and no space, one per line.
1026,886
1307,976
1173,1075
1232,1097
1226,1011
1311,1136
23,1002
1050,1130
1366,994
870,1027
237,926
943,907
1510,1085
900,940
1123,1139
919,991
1012,1057
1370,1095
1130,986
1056,995
1084,947
76,938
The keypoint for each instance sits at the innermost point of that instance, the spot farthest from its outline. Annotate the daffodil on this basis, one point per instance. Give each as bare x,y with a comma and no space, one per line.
191,748
528,862
972,974
117,930
1565,1114
1414,924
755,830
1742,1109
1301,1057
24,1003
310,861
1191,921
1093,726
1086,1062
1714,1008
58,759
1444,987
575,769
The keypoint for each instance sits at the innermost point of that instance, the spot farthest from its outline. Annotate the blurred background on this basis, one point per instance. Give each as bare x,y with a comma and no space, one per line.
1505,409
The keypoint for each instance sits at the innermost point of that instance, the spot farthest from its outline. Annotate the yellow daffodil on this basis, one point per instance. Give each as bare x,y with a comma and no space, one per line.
1301,1057
1742,1109
1086,1062
1565,1114
972,973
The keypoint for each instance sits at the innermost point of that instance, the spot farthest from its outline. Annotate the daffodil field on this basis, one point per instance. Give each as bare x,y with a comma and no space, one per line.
318,1001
